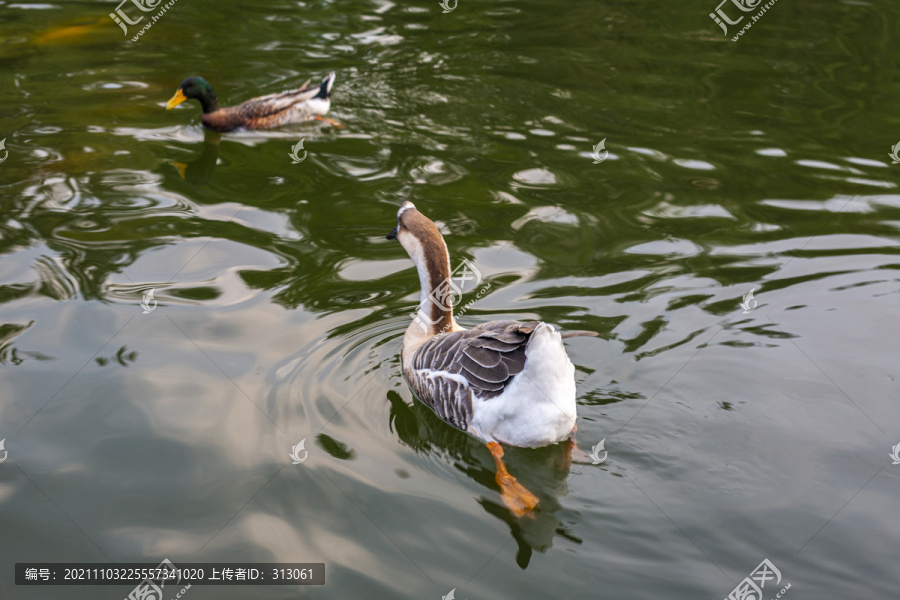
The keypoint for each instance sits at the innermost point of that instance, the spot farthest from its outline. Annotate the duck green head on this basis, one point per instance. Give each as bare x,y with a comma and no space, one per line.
198,88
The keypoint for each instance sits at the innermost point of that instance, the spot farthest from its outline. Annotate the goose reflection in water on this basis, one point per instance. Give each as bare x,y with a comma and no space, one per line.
543,471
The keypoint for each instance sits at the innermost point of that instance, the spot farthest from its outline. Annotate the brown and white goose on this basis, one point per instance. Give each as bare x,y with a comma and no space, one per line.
505,382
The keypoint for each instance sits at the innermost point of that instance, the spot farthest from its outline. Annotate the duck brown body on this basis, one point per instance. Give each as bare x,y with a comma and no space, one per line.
265,112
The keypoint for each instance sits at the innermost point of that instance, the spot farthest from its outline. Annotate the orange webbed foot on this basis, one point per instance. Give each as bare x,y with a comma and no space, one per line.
517,499
331,122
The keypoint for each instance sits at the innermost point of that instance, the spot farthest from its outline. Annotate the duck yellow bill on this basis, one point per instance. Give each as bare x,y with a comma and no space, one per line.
175,100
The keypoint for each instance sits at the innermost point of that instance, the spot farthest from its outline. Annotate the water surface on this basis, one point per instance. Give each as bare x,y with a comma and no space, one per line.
732,436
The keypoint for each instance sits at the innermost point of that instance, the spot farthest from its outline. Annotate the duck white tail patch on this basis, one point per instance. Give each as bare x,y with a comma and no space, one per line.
319,106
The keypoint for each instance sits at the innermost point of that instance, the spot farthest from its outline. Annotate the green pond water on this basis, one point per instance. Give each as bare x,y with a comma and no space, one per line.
733,435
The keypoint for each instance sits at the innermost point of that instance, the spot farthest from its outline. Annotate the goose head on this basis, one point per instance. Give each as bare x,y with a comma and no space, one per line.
425,245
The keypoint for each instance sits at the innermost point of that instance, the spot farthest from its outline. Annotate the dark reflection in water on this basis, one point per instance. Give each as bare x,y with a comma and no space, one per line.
122,357
200,170
544,472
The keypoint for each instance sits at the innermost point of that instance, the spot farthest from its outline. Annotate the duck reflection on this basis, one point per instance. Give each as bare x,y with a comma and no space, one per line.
542,471
200,170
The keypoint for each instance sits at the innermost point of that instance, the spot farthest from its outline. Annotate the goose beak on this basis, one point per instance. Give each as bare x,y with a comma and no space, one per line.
175,100
393,234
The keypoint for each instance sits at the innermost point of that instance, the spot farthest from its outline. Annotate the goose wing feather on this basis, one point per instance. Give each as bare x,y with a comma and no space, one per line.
452,370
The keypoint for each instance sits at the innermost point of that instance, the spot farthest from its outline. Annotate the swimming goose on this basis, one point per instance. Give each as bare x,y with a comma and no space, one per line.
504,382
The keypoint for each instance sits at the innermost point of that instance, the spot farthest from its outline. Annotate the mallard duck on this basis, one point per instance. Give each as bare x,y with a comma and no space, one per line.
504,382
265,112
